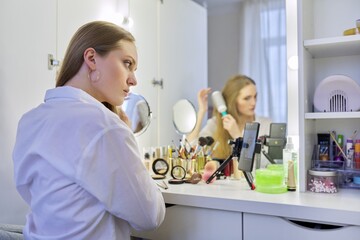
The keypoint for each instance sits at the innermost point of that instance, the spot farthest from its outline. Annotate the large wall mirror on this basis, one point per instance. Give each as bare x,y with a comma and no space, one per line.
255,42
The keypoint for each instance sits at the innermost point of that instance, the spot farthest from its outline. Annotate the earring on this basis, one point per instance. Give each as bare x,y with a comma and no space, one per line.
94,76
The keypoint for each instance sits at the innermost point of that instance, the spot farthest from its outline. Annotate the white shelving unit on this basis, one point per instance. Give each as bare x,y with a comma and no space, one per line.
333,47
332,115
324,51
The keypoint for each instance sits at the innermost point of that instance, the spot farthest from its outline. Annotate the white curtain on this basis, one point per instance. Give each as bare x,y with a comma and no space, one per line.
263,54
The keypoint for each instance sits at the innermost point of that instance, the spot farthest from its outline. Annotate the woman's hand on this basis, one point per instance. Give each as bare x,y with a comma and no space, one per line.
124,117
203,107
203,99
231,126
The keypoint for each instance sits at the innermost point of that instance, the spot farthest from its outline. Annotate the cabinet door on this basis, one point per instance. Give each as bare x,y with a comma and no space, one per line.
145,17
190,223
172,46
28,35
183,59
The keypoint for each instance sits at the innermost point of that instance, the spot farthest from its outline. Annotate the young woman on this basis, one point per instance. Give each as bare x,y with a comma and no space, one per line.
77,164
240,97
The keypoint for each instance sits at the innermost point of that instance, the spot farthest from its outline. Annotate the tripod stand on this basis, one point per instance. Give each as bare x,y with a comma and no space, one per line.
236,153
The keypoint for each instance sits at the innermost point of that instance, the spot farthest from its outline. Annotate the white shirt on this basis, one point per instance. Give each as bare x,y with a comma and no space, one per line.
79,168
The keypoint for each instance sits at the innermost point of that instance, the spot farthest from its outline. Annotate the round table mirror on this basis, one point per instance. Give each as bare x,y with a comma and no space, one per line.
138,111
184,116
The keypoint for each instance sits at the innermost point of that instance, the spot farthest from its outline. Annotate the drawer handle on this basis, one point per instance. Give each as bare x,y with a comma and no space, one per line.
168,205
314,225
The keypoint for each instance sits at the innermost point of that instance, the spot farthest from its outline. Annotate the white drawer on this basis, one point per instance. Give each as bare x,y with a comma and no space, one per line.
271,227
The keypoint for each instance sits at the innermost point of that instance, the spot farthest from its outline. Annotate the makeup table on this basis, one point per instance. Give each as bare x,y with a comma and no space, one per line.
228,209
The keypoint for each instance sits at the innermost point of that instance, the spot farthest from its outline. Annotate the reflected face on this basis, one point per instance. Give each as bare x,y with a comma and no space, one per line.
246,101
117,73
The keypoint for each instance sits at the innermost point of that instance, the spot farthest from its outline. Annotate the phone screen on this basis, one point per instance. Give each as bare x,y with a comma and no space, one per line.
246,160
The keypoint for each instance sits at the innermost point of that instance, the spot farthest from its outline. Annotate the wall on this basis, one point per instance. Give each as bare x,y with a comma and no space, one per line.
223,44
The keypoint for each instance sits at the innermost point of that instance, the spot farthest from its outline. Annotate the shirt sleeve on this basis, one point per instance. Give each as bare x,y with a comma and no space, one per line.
111,170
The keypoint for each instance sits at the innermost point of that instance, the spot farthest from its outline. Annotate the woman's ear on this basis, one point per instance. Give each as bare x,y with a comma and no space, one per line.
89,58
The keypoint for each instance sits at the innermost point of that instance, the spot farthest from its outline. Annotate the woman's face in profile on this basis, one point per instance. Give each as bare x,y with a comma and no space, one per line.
118,73
246,100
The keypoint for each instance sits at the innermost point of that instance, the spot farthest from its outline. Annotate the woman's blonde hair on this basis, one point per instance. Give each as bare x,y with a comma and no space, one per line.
230,93
100,35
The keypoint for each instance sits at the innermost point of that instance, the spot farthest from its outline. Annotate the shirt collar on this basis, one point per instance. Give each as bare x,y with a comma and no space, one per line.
67,92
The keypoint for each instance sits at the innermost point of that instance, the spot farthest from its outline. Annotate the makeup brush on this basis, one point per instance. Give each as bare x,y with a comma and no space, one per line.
354,135
213,148
202,141
337,144
210,140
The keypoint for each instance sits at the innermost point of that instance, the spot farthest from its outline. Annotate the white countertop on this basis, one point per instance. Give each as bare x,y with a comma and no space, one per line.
235,195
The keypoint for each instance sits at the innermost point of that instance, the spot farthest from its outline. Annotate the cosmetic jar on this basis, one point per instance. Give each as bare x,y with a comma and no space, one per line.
322,181
270,180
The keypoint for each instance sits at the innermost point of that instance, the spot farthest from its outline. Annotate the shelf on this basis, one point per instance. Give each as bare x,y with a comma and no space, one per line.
333,47
332,115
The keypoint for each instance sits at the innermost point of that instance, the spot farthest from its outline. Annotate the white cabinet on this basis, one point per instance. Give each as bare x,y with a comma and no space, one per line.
172,43
258,226
323,51
28,35
189,223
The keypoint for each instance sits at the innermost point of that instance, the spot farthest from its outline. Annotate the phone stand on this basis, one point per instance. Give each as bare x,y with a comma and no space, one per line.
268,157
277,144
237,145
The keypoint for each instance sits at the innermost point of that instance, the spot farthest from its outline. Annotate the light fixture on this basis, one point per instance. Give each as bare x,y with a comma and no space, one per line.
293,63
128,22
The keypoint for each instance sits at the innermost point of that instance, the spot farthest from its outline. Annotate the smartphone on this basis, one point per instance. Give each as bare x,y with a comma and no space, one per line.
278,130
246,159
277,140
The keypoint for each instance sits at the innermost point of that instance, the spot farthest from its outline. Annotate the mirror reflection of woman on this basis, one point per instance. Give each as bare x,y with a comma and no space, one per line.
240,96
138,112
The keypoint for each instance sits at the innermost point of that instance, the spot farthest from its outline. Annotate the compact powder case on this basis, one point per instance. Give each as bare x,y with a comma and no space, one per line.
195,178
160,167
178,174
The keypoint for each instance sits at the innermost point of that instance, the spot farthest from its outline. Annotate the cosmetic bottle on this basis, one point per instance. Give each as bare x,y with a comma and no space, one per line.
349,153
170,156
340,141
200,159
289,153
147,161
291,179
356,163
